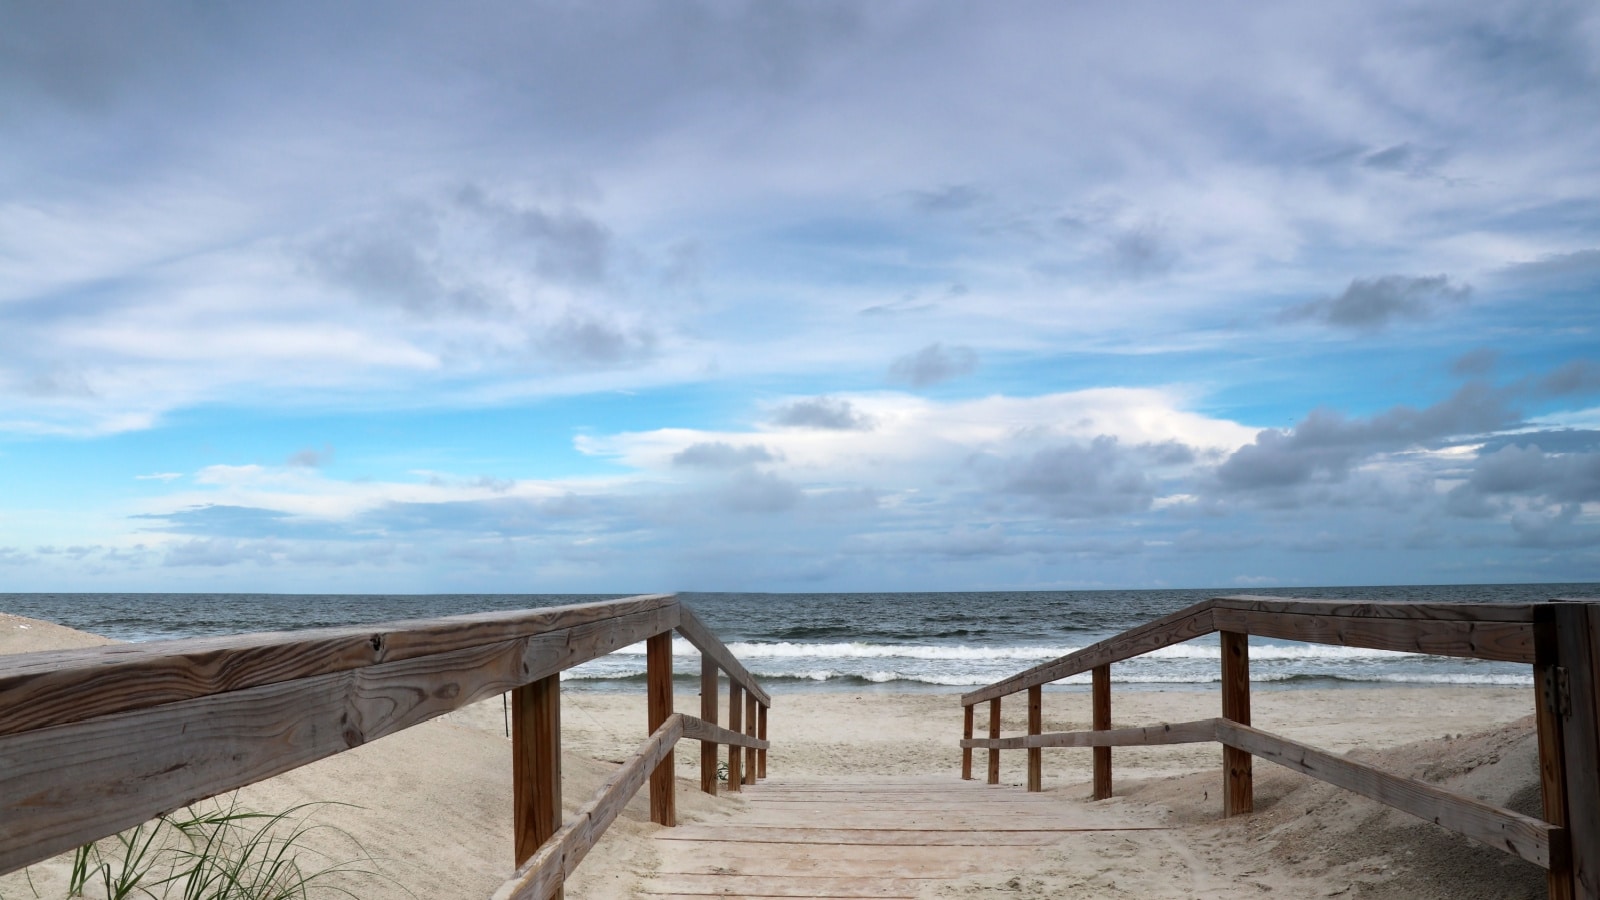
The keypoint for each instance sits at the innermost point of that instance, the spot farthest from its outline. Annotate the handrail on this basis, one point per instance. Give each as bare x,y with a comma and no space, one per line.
1560,639
97,740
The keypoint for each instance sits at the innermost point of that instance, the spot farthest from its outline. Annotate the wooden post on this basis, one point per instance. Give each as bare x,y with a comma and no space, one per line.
750,729
536,764
735,723
1238,794
966,752
994,732
1102,722
1576,689
761,755
1547,676
708,712
663,779
1035,726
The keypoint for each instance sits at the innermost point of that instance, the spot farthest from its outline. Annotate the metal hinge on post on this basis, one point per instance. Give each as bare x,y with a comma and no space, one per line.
1557,690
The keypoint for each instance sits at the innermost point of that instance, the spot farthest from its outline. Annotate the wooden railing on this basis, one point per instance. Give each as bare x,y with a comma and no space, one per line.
96,740
1561,640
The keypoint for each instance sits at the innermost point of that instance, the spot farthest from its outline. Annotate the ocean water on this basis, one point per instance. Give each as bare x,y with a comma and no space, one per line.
951,641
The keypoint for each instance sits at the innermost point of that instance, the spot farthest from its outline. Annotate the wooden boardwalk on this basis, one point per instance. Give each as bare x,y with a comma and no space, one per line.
883,838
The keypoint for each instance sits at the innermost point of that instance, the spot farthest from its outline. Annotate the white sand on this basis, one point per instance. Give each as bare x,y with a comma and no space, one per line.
433,803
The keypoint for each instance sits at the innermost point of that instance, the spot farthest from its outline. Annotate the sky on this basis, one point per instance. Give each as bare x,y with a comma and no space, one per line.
540,297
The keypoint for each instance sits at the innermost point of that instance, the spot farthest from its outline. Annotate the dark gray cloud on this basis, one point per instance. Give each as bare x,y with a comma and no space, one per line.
1100,478
1404,159
825,413
721,455
933,364
568,246
1480,361
1371,304
591,339
1140,253
1527,471
1325,444
1580,376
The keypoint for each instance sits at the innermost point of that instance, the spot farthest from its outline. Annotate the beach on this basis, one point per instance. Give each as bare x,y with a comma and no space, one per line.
432,805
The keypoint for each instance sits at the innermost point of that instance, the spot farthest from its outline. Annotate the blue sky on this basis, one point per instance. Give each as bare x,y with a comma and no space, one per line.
775,296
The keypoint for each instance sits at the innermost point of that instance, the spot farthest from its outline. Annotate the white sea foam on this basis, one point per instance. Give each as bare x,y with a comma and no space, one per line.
963,652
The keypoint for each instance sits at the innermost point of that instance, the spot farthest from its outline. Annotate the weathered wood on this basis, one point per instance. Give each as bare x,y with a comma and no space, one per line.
1505,641
700,730
1101,721
966,735
1577,628
994,734
761,752
66,785
38,690
735,724
1549,714
1520,835
1035,726
1186,624
1238,791
559,857
1167,733
750,731
696,633
1384,609
663,781
863,837
536,764
708,712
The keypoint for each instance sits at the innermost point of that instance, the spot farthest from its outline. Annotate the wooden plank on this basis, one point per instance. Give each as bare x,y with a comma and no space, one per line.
735,724
1101,721
1150,735
1547,677
549,868
723,884
700,730
1504,641
1519,835
663,782
761,753
887,837
966,735
1035,726
38,690
696,633
536,764
1185,624
67,785
750,731
1368,609
1577,627
994,734
709,690
1238,791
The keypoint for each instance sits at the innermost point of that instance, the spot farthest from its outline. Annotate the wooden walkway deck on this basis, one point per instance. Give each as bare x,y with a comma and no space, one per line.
883,838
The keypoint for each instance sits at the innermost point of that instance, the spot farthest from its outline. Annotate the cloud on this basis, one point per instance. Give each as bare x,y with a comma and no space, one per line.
1141,253
1326,443
933,364
1580,376
721,455
1372,304
1476,362
1404,159
160,476
588,339
951,198
759,492
824,413
1100,478
311,458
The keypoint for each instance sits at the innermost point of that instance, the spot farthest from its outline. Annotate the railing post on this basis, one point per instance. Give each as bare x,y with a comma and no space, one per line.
761,755
708,712
994,732
749,729
1575,688
966,752
735,723
1102,722
663,779
536,765
1035,726
1238,794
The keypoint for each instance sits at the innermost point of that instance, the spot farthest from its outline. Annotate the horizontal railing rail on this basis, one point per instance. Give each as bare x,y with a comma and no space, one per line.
1561,640
97,740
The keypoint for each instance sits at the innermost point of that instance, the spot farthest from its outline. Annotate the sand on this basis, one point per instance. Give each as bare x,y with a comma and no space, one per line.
433,806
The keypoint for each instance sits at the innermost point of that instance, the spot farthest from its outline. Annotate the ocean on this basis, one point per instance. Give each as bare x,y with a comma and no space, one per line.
951,641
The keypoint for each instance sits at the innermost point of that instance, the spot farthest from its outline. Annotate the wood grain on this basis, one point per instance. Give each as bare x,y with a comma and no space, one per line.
1577,628
735,724
38,690
709,689
1101,721
548,869
1519,835
1504,641
750,731
663,783
1238,788
994,734
1035,726
1168,733
761,752
700,730
1549,716
966,735
536,764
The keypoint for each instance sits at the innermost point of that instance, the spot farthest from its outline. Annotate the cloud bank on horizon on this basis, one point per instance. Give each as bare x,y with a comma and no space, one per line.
797,296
